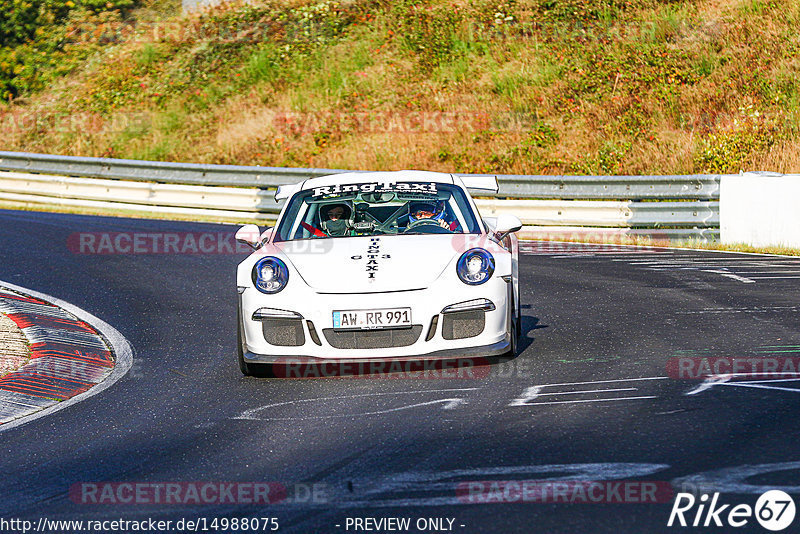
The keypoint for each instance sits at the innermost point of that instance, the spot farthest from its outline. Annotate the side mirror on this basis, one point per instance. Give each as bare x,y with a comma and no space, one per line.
506,224
249,234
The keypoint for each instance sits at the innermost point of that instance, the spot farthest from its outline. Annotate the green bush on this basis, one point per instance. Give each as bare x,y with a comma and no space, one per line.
529,152
428,31
729,151
590,10
22,21
34,32
609,159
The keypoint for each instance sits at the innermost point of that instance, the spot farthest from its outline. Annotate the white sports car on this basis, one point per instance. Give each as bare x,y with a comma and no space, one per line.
379,265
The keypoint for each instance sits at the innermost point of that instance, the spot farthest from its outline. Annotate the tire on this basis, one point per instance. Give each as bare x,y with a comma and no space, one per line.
514,339
513,328
244,367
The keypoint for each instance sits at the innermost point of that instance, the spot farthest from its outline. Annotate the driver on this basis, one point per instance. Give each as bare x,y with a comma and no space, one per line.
336,219
431,210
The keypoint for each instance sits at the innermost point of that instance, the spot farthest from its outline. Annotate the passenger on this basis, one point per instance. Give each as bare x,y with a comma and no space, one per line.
336,219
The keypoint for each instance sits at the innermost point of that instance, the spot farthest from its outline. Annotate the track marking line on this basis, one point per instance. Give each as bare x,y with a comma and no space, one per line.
756,309
250,415
532,393
588,391
776,380
730,275
607,381
562,256
737,268
642,257
743,265
591,400
449,404
708,383
654,262
765,272
760,386
786,259
725,380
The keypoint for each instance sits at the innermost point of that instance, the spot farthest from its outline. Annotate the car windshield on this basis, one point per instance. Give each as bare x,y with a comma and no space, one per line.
377,209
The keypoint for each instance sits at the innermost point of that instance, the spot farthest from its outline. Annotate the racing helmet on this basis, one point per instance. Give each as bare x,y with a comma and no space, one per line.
436,209
339,225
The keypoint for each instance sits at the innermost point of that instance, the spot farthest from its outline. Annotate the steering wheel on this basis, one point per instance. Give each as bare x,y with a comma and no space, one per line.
425,222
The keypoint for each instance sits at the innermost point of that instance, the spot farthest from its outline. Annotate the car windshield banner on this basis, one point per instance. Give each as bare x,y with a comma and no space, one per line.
376,187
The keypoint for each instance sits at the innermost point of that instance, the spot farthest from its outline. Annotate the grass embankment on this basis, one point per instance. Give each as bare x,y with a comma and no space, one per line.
530,87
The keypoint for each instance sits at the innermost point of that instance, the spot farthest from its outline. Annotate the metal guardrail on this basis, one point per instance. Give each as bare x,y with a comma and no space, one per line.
608,213
126,196
687,205
147,194
690,187
248,203
157,171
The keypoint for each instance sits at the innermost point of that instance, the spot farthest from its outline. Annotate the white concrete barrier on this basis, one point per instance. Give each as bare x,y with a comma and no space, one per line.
761,209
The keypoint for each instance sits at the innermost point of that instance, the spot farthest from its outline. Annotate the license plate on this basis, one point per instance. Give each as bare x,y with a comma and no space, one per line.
363,319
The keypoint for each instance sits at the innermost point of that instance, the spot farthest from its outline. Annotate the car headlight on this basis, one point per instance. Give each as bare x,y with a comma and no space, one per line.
475,266
270,275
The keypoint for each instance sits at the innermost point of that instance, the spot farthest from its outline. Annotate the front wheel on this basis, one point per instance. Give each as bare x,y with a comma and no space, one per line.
261,370
512,328
246,368
514,339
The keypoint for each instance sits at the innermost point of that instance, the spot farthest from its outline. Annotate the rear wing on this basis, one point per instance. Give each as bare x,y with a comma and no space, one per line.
285,191
481,183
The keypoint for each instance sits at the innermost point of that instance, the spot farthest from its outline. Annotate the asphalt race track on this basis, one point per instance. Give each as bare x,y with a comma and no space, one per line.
593,396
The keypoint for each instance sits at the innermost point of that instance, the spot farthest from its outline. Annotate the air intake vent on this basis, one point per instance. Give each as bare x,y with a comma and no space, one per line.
284,332
372,339
461,325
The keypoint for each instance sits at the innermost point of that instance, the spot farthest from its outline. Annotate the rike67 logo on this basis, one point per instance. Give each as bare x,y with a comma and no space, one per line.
774,510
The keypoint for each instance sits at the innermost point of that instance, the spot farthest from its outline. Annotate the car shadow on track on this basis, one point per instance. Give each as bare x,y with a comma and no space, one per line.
529,324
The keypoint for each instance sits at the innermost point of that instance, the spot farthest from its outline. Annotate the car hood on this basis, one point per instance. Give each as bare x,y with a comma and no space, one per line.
372,264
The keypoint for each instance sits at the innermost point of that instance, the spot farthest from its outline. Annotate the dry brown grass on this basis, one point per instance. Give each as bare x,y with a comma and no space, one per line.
750,52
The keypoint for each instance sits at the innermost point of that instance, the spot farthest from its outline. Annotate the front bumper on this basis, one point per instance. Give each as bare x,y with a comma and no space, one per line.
429,338
488,351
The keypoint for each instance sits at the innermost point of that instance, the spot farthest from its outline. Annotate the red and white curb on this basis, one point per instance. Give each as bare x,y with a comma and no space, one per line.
74,355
